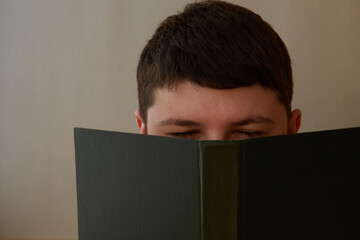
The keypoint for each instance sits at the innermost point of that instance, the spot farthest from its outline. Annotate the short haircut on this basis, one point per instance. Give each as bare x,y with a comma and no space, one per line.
217,45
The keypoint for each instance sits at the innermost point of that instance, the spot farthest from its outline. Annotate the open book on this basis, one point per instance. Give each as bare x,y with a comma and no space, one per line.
303,186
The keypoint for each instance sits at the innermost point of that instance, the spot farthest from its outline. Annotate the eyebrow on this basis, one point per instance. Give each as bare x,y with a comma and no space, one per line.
178,122
249,120
189,123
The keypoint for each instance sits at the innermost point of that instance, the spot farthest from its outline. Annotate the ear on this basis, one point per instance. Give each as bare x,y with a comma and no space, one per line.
295,121
140,122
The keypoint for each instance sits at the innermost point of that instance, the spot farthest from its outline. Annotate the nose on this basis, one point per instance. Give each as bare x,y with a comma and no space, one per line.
215,135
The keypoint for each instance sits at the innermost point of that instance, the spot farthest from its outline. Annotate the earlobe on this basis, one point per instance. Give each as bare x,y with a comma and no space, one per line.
295,121
140,123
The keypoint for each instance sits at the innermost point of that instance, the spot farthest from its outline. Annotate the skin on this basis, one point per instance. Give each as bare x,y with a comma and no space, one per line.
191,111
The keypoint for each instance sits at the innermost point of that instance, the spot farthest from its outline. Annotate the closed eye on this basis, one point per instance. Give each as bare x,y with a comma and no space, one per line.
188,134
248,134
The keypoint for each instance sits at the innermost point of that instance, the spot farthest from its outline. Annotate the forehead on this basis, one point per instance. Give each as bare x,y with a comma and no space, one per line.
190,101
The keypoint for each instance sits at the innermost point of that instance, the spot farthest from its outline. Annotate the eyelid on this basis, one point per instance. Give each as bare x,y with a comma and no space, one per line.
184,133
249,133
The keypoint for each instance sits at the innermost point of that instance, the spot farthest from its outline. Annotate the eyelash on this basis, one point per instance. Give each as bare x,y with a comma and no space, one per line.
183,134
249,133
189,134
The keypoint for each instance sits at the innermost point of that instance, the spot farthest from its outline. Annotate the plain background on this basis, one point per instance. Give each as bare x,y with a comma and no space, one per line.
68,63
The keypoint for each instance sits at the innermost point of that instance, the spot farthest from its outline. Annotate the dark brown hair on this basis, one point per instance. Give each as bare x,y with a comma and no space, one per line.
217,45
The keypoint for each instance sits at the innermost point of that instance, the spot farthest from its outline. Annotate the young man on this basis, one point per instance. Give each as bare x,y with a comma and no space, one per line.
216,71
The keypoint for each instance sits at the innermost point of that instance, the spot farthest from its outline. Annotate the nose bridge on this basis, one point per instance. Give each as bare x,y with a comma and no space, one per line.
216,134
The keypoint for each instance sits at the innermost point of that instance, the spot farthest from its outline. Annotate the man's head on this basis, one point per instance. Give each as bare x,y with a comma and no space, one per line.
215,61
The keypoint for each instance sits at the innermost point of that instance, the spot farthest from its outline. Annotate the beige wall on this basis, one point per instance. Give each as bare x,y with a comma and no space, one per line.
67,63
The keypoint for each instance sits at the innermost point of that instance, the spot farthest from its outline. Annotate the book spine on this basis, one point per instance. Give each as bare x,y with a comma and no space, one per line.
220,190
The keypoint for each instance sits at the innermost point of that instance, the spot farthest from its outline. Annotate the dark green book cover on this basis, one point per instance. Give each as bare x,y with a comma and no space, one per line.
303,186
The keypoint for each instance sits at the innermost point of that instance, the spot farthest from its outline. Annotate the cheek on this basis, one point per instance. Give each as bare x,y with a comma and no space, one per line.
151,119
281,130
151,126
281,126
279,116
151,129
